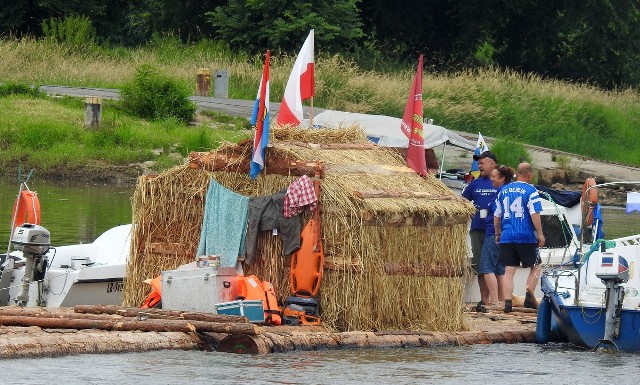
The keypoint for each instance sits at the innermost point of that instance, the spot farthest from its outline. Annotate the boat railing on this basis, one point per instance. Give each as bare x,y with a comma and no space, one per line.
632,240
563,290
585,196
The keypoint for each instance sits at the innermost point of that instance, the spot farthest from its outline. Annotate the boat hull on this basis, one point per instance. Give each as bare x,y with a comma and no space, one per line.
585,325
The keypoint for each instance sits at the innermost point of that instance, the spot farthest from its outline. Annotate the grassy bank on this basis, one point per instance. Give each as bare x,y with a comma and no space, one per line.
504,104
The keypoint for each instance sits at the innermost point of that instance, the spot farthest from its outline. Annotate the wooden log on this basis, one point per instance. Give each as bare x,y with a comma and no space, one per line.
380,169
269,342
150,325
240,163
158,313
37,343
422,270
331,146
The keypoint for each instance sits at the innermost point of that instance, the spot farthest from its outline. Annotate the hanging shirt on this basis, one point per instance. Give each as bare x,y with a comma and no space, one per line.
224,224
265,213
299,194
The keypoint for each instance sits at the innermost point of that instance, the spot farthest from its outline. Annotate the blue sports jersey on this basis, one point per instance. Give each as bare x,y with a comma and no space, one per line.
490,229
514,205
481,192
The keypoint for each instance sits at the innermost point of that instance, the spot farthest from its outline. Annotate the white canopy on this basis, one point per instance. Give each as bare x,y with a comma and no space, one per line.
385,130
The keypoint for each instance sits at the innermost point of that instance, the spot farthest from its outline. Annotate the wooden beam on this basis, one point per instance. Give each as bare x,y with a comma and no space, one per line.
169,248
405,194
240,163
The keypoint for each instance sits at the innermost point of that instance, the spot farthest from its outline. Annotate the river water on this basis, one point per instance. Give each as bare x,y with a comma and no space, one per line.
475,364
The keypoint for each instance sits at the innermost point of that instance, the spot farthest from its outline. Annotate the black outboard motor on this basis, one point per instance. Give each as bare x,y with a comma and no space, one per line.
34,242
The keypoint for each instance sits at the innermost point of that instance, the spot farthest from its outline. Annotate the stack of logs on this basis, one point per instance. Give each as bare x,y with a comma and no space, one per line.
31,332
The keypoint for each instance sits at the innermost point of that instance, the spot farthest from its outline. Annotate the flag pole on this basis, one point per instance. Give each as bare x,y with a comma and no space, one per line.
311,114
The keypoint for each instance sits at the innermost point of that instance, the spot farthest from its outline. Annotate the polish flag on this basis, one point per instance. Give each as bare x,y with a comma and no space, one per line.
260,119
299,87
412,125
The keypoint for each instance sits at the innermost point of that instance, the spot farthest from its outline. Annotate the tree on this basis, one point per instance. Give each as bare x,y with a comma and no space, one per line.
253,25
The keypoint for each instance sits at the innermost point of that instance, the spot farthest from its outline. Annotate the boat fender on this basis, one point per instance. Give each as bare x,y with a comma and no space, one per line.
589,200
26,209
543,321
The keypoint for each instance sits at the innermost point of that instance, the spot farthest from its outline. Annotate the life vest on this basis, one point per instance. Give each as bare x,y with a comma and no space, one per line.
26,209
252,288
307,263
589,200
155,296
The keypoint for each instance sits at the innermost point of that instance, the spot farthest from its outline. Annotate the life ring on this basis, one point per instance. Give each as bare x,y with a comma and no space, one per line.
26,209
589,200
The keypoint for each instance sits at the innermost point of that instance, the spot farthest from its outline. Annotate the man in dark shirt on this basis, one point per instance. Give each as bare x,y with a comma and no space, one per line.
482,193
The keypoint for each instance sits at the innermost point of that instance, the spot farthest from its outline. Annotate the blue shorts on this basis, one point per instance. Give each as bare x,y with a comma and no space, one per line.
489,258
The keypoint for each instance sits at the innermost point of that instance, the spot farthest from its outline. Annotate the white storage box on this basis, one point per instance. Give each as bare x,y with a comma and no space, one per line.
198,289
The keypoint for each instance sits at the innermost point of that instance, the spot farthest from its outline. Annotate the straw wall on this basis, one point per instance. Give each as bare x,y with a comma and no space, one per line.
362,238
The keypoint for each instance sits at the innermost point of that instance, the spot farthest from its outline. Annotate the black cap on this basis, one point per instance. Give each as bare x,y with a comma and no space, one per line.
486,154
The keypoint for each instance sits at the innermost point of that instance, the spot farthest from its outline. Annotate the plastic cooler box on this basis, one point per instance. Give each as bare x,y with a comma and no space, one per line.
198,289
252,309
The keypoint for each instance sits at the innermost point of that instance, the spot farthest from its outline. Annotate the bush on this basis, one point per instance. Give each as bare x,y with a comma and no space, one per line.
11,88
152,95
76,31
510,153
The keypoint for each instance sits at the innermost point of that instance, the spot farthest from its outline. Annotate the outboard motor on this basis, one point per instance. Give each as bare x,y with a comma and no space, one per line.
613,270
34,242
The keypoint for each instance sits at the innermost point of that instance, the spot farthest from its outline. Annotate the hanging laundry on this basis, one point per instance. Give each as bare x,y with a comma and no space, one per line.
265,213
300,194
224,225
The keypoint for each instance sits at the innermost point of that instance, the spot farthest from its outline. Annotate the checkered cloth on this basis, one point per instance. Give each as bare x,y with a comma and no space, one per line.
299,194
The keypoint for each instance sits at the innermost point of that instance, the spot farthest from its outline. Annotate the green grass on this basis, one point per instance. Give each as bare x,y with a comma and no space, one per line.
502,104
53,135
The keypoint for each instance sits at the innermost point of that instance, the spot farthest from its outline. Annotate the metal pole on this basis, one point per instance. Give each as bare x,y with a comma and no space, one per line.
442,162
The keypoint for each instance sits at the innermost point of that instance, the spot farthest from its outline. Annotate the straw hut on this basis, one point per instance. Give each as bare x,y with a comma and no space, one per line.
394,242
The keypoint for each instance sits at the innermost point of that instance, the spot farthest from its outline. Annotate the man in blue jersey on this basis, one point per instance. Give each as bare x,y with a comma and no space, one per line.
482,193
516,217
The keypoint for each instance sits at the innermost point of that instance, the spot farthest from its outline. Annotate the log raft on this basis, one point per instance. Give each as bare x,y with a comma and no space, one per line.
28,332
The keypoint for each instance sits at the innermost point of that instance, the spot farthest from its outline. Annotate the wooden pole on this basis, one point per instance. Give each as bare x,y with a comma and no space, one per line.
157,313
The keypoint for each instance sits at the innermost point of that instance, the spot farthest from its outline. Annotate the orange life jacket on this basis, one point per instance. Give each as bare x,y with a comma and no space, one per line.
156,294
252,288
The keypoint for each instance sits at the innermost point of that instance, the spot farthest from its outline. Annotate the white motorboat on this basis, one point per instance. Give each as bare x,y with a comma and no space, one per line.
38,274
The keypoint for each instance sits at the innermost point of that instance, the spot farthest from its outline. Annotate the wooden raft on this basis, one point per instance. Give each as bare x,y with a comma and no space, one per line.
29,332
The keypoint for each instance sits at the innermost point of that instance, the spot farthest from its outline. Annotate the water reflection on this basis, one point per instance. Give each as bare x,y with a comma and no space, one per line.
73,213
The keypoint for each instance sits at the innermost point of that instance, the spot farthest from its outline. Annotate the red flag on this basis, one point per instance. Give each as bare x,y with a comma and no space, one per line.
412,125
299,87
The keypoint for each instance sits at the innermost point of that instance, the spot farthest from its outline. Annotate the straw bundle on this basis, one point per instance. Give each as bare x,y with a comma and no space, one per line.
395,243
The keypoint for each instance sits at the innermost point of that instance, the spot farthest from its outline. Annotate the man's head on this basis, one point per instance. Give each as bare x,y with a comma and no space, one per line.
524,173
487,161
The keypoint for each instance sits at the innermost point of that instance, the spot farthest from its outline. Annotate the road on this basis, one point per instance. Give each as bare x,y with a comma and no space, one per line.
542,157
234,107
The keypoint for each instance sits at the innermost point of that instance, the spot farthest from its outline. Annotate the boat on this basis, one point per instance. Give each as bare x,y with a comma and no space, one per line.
594,302
35,273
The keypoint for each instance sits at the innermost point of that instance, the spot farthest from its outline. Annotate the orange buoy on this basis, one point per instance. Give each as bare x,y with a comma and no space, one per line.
589,200
26,209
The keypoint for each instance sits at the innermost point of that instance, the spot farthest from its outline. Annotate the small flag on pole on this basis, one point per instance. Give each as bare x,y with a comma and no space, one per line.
412,125
260,119
633,202
300,86
481,147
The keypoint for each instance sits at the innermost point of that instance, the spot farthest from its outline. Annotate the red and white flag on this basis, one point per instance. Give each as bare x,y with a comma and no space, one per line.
299,87
412,125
